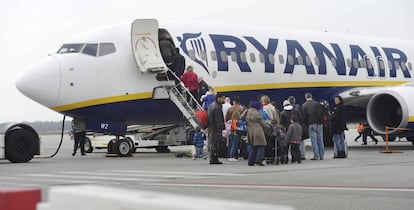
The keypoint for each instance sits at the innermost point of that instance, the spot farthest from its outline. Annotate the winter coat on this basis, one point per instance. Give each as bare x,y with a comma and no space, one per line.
255,134
215,118
294,134
189,79
338,120
309,110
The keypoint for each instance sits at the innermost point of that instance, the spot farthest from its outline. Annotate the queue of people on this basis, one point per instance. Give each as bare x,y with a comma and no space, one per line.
289,128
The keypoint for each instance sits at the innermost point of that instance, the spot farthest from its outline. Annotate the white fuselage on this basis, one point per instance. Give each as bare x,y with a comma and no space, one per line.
235,59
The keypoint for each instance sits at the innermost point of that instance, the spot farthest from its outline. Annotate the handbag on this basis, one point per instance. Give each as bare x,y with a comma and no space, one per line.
268,129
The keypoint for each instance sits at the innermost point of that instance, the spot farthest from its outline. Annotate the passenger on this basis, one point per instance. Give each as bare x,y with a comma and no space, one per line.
283,146
234,137
286,114
215,127
177,63
298,111
198,141
226,106
208,98
315,129
255,134
270,109
202,87
235,107
294,137
338,126
189,78
79,138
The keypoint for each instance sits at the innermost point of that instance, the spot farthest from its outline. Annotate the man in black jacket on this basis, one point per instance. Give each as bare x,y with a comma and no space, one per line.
215,127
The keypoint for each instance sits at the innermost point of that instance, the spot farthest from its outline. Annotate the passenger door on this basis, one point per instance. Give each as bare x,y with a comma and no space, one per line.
144,40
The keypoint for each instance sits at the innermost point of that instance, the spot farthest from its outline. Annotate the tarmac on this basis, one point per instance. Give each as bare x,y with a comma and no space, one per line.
367,179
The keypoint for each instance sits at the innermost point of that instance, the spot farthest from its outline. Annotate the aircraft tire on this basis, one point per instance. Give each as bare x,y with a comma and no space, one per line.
410,138
123,148
131,143
88,148
20,146
111,146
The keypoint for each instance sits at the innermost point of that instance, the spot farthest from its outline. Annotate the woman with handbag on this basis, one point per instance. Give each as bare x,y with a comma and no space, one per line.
255,135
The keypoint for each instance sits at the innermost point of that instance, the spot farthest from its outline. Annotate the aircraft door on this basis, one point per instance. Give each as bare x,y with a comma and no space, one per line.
144,40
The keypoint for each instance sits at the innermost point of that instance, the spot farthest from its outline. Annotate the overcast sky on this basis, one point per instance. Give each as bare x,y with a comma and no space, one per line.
30,30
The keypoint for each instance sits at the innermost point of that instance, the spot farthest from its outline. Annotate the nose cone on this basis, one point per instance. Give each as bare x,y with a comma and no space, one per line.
41,81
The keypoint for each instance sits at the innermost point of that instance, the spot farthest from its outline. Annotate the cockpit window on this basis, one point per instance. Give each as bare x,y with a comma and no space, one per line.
93,49
106,48
90,49
71,48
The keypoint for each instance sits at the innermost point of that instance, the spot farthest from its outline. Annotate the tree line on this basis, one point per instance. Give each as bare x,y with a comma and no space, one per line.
44,126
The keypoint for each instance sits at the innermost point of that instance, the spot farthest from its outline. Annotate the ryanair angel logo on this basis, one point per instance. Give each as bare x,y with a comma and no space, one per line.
193,45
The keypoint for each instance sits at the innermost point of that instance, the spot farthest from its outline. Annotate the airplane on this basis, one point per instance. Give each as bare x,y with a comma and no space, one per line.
111,77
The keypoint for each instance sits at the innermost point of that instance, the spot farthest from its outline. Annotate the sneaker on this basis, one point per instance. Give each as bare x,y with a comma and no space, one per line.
193,158
204,157
314,158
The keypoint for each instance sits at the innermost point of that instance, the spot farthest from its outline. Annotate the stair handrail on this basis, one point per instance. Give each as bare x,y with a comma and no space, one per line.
183,87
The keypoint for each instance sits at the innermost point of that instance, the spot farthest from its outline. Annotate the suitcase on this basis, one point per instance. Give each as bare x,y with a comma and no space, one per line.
221,148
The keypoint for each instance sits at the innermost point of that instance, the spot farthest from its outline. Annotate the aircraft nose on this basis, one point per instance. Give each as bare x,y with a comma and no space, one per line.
41,81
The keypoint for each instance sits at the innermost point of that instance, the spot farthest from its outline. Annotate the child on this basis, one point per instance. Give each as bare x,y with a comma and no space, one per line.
234,137
198,141
283,146
294,138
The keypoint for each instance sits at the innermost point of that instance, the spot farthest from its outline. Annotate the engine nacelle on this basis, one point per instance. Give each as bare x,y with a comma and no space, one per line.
392,107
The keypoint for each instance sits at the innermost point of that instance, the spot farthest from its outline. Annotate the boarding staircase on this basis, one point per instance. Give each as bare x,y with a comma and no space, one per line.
177,94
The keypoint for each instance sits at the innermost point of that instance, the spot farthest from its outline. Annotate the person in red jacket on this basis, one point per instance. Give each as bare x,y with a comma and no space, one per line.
189,78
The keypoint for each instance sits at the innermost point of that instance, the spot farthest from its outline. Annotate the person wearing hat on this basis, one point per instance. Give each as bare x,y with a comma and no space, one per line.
215,127
286,114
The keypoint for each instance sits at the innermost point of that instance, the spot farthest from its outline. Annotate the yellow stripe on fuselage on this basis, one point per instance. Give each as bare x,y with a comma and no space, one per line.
307,85
411,119
105,100
230,88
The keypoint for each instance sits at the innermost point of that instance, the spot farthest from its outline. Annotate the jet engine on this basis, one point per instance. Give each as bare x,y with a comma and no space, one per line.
392,107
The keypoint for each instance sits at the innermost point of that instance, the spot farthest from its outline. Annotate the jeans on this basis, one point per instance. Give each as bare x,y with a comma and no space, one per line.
234,145
316,137
256,154
339,140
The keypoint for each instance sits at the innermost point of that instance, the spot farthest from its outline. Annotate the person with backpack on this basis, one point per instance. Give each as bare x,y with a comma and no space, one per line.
234,136
315,126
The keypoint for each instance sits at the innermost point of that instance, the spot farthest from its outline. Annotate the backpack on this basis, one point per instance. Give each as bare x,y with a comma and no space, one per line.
239,126
202,116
